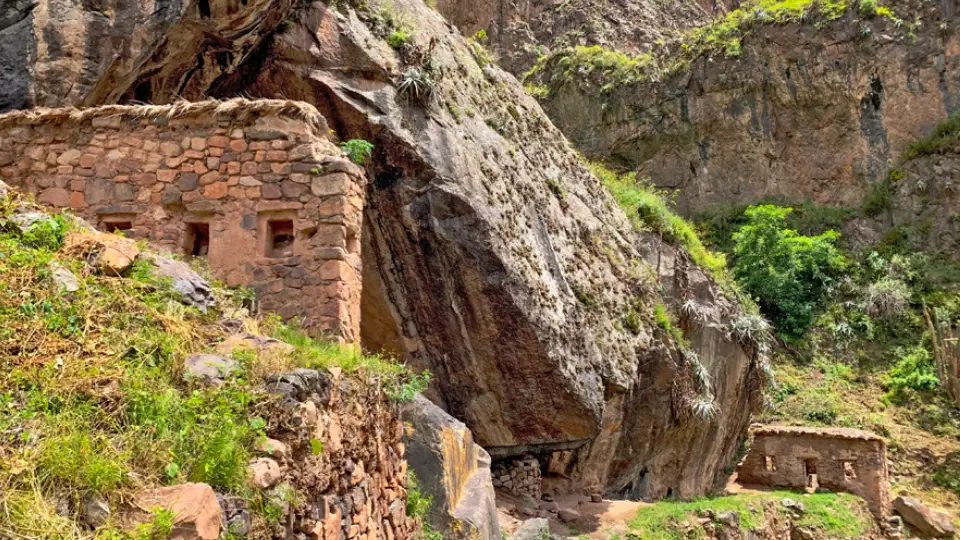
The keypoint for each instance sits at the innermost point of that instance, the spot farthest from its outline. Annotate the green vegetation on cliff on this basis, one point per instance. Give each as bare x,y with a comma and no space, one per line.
612,69
864,356
648,208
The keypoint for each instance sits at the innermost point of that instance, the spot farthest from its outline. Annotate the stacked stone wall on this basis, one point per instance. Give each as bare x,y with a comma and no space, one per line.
255,187
519,477
338,444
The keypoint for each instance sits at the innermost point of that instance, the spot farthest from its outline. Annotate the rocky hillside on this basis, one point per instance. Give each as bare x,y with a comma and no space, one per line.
493,257
746,107
141,401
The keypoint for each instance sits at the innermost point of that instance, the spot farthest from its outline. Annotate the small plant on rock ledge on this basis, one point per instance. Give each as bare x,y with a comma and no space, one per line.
416,85
358,150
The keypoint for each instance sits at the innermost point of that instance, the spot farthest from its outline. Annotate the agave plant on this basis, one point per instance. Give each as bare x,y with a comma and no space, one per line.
751,328
417,85
704,409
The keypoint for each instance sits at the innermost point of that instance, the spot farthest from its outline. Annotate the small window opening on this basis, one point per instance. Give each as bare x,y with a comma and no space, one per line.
280,238
197,243
123,227
769,463
849,471
204,6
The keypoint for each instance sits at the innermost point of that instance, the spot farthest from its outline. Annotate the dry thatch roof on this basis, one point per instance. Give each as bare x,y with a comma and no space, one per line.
826,433
237,108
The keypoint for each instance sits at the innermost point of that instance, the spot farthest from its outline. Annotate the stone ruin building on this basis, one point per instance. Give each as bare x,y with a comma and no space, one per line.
847,460
255,187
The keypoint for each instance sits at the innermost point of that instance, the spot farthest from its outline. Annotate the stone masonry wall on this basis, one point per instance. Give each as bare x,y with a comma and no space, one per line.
337,442
519,476
847,460
254,186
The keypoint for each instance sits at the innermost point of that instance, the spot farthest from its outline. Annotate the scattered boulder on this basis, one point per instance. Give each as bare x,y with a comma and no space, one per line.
550,506
264,472
793,506
925,520
108,253
195,507
63,279
96,510
596,497
730,519
274,448
4,190
452,469
193,289
236,515
802,533
208,368
533,529
24,218
569,515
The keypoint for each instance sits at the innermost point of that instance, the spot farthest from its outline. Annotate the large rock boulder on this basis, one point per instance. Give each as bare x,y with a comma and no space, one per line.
454,470
491,255
192,288
110,254
194,506
928,522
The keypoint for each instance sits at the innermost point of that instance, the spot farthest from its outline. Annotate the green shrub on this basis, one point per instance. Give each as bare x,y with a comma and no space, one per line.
914,373
46,233
358,150
789,274
399,38
868,7
878,198
945,134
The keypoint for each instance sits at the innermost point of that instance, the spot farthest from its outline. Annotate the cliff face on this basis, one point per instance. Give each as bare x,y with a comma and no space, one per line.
491,255
520,31
807,110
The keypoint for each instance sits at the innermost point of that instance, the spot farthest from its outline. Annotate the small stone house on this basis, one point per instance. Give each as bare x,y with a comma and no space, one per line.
255,187
847,460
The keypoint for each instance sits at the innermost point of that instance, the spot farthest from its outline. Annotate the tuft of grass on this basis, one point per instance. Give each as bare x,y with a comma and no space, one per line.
945,134
647,208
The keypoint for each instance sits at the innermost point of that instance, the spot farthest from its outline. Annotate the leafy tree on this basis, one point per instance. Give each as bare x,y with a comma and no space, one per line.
789,274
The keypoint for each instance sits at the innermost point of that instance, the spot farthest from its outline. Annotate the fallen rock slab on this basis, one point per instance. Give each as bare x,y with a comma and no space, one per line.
193,289
108,253
208,368
63,279
925,520
195,508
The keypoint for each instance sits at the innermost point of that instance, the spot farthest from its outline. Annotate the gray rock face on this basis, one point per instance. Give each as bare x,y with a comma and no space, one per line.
926,521
208,368
511,291
520,32
453,470
193,289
